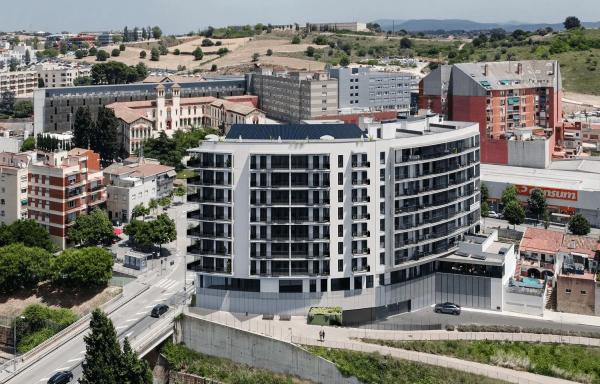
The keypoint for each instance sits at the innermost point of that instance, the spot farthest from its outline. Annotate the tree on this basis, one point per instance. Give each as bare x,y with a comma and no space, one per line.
23,108
144,34
82,127
125,34
156,32
344,61
310,51
28,144
136,31
7,102
102,55
546,219
153,204
102,352
509,194
579,225
405,43
222,51
296,40
140,210
122,47
142,54
28,232
139,232
133,369
179,191
162,49
255,57
154,54
80,53
269,52
514,213
41,83
13,64
115,52
162,230
105,140
27,57
572,22
83,267
207,43
23,267
213,68
485,209
484,193
198,54
93,51
537,202
90,229
176,52
165,201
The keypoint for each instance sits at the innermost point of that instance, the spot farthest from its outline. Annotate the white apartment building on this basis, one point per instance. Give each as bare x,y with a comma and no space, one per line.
61,75
21,83
293,216
13,186
135,182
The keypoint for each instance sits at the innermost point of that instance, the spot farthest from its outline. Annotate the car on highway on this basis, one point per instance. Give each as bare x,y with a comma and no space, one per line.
159,310
494,215
62,377
449,308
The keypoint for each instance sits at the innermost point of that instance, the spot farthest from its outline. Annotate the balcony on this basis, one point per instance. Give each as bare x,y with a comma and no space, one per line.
362,216
361,234
361,199
361,164
360,251
361,182
208,235
195,250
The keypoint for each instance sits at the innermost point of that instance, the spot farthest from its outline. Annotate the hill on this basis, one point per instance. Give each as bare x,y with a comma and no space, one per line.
449,25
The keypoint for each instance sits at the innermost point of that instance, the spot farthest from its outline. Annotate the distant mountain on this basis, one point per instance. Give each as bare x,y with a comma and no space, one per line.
430,25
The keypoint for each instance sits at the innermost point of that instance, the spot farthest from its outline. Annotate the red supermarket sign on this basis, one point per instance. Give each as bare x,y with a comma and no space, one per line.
550,193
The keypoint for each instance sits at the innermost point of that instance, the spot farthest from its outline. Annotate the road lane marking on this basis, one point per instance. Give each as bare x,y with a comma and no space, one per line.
129,334
149,306
61,369
141,313
121,327
130,320
45,379
72,360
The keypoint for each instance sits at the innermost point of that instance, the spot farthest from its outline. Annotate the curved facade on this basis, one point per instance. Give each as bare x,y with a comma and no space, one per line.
282,225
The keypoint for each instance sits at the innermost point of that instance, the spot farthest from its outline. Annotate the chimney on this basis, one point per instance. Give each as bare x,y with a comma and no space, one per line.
519,68
485,69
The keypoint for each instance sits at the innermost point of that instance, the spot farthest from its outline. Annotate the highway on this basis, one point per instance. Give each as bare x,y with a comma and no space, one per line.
131,319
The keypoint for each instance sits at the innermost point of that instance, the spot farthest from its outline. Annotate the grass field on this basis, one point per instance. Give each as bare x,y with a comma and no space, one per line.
372,368
566,361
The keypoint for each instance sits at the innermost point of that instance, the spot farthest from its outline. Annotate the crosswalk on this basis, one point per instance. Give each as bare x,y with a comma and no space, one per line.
166,284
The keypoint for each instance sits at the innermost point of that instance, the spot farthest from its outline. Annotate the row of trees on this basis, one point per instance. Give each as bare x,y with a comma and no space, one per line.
115,72
171,150
147,33
537,206
101,135
23,267
105,359
144,233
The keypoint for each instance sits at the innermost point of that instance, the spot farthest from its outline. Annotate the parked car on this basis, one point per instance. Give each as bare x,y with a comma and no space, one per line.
494,215
62,377
159,310
449,308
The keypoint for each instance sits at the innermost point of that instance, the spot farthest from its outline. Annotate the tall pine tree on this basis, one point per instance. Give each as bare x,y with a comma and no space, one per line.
105,140
105,362
134,370
103,353
82,127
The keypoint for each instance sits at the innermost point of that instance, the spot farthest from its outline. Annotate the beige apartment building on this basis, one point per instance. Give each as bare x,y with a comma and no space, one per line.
22,83
295,96
60,75
13,186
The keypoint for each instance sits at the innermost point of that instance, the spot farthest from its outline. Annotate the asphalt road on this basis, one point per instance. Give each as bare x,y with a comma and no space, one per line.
427,316
131,319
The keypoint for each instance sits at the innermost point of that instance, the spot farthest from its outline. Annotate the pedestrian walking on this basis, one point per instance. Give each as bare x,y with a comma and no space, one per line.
323,335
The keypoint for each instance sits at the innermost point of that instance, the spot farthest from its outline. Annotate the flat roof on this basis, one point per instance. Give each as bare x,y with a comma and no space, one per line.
548,178
293,131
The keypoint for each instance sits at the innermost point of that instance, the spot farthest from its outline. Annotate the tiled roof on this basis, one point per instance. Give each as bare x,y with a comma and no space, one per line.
535,239
294,131
137,170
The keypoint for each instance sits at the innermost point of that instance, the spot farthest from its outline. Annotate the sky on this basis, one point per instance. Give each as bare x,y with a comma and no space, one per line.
181,16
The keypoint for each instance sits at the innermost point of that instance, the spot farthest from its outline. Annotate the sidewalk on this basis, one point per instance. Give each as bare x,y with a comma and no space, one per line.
558,317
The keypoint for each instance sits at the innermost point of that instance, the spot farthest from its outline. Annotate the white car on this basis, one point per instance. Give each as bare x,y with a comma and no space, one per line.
494,215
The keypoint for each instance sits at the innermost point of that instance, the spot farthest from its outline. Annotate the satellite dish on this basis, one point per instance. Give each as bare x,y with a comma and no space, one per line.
327,137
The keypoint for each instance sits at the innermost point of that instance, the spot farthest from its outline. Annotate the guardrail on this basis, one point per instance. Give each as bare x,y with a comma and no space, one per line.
155,333
61,338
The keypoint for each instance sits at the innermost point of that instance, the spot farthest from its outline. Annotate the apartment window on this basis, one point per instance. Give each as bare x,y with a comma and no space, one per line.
382,258
340,230
340,196
369,282
340,247
340,161
324,285
340,265
567,290
583,292
381,157
340,178
340,213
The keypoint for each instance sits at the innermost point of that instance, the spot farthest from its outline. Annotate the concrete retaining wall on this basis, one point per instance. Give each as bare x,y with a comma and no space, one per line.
256,350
